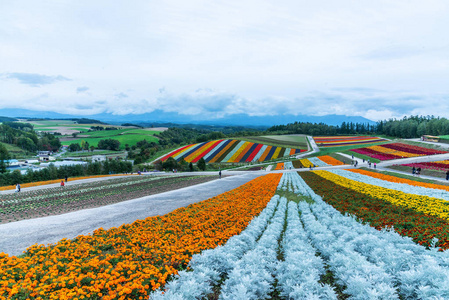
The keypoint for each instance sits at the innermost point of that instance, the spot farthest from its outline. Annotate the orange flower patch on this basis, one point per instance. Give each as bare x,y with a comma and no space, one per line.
128,261
330,160
279,166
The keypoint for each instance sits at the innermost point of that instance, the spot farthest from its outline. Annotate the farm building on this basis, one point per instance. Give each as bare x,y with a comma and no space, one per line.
96,158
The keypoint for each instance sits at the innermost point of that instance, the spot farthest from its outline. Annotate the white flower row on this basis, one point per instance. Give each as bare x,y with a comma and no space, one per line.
299,274
363,279
378,256
259,154
252,276
209,266
317,162
288,165
402,187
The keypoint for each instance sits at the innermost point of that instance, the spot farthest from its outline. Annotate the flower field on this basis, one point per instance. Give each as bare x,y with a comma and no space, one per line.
420,216
309,250
230,151
441,165
58,200
320,161
396,150
330,161
38,183
279,166
339,141
129,261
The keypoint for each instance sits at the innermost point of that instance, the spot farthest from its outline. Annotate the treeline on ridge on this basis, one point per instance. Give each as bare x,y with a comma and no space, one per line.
408,127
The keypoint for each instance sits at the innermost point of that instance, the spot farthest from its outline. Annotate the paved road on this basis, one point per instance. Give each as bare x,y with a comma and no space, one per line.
15,237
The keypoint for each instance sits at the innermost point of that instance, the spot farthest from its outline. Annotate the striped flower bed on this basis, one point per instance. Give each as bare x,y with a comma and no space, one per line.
337,141
441,165
396,150
377,209
230,151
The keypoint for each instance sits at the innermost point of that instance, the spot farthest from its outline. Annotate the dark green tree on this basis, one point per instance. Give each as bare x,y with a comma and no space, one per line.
4,156
170,164
201,164
74,147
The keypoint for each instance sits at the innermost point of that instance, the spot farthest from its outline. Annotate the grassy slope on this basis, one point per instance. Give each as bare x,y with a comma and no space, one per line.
15,151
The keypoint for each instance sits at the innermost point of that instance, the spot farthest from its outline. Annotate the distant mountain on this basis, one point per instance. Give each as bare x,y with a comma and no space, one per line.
165,117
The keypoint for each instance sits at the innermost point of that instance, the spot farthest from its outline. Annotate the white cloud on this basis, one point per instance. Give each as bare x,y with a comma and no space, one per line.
255,57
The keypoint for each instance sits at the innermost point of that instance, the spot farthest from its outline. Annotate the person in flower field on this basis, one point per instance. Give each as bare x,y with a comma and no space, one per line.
447,175
62,182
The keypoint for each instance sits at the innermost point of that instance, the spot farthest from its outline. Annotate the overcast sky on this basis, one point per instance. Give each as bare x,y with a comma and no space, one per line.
376,59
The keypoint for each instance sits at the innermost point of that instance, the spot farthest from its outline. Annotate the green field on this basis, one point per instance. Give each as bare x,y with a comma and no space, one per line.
128,136
286,141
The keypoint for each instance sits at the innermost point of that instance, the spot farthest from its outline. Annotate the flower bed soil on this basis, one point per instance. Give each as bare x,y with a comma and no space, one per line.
54,201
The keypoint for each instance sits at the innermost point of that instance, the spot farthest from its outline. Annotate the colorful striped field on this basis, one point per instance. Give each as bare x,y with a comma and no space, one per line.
338,141
230,151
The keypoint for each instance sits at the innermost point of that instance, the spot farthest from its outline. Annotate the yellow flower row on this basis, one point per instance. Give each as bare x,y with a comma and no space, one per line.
306,163
276,153
425,204
399,180
237,153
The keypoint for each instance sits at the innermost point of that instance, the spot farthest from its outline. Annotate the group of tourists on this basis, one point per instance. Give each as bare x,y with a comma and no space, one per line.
417,171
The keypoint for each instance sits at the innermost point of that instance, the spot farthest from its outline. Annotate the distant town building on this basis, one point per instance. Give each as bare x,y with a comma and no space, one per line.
96,158
12,162
32,161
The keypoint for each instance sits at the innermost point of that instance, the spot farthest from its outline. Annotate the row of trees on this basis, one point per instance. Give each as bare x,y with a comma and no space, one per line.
171,164
408,127
317,129
108,144
52,172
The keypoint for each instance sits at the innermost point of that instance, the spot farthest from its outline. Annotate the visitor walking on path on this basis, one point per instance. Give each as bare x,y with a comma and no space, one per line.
65,178
447,175
219,174
413,171
17,187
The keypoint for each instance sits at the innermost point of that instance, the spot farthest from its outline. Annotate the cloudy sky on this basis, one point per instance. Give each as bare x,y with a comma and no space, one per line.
376,59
